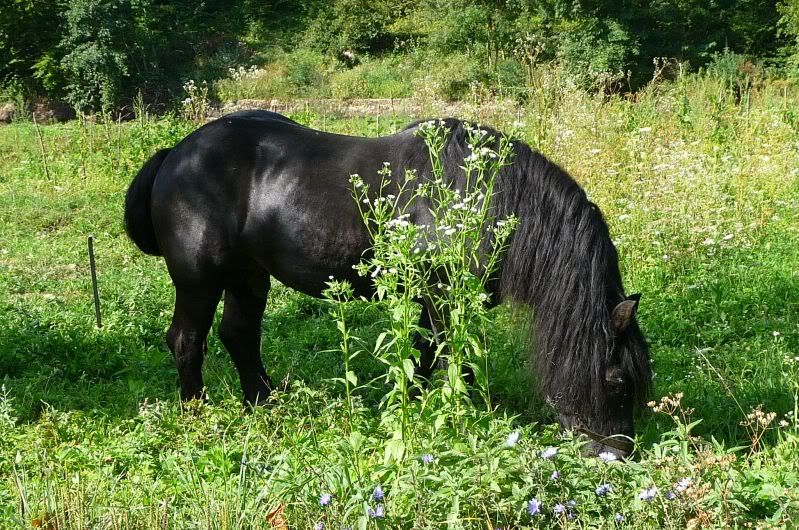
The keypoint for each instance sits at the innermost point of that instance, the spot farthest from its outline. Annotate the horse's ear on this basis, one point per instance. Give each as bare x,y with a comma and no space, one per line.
624,313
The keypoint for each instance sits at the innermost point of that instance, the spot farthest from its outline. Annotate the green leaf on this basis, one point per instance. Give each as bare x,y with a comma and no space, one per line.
407,365
395,449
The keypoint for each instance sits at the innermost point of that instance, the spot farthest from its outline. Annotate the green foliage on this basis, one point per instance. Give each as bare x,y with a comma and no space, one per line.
30,31
789,25
407,261
359,25
390,77
478,27
596,53
92,433
95,65
304,68
104,52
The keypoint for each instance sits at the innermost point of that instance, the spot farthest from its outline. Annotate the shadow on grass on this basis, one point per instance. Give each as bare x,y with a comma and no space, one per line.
53,357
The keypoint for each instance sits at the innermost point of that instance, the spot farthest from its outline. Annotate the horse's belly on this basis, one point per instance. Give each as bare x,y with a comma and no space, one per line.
304,247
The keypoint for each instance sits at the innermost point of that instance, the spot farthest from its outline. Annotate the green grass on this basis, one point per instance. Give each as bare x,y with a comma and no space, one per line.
702,196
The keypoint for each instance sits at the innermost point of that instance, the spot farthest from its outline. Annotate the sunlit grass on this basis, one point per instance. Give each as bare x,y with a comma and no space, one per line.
701,192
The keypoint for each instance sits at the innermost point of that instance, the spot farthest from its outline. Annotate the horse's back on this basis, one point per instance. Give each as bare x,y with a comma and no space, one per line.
255,186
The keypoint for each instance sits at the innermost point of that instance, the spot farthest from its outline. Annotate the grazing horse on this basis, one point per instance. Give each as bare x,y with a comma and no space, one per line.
255,195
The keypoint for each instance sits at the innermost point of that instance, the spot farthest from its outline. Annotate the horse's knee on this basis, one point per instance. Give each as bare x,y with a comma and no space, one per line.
171,338
187,347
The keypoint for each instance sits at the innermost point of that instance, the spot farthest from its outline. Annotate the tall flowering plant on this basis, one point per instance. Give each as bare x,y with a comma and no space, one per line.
446,264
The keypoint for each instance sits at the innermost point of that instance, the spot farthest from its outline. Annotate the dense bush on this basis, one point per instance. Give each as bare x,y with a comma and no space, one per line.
95,66
351,25
29,34
103,52
789,26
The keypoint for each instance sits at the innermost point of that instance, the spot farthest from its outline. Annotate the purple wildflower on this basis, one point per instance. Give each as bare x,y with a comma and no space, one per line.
378,513
549,453
319,526
607,457
619,517
559,508
513,439
378,494
533,506
555,475
670,495
324,499
427,459
604,489
571,504
648,494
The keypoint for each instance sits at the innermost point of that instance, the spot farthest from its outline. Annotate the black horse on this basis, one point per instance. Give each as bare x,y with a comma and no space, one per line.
255,195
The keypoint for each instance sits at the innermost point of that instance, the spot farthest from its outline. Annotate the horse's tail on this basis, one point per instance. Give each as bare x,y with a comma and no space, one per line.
138,218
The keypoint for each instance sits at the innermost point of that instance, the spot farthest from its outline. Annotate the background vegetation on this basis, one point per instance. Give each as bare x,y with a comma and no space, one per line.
100,54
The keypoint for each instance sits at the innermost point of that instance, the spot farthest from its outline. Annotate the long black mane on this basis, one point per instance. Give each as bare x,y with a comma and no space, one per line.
562,264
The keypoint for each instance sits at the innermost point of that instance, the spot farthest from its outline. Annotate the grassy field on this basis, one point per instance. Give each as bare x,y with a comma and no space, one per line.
701,192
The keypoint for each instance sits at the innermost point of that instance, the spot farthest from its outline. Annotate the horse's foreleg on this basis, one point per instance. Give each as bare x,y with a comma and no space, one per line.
240,332
434,321
426,347
194,312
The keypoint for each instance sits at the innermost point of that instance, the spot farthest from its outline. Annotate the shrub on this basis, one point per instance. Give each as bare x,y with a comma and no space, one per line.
96,64
381,78
595,53
358,25
304,68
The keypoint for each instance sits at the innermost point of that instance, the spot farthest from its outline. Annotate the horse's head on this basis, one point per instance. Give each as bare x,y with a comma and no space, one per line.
622,379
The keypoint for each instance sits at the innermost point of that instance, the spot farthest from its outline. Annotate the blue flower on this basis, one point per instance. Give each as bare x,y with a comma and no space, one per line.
619,517
604,489
319,526
513,439
324,499
683,484
428,459
555,475
670,495
559,508
533,506
378,513
549,453
378,494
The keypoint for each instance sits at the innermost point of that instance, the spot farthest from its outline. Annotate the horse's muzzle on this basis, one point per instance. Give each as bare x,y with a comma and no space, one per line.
619,445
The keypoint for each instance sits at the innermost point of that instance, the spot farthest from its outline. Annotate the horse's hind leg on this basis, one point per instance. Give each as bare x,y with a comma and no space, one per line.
240,332
194,312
